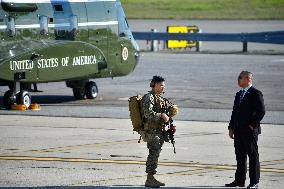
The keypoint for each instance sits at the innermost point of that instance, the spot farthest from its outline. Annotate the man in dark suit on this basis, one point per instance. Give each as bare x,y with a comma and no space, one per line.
244,128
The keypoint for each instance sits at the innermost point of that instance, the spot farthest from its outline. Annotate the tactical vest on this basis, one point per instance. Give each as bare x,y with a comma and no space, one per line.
137,114
159,106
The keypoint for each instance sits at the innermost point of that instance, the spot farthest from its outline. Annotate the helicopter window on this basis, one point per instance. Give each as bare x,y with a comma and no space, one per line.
11,29
122,22
51,20
43,21
96,11
58,8
74,24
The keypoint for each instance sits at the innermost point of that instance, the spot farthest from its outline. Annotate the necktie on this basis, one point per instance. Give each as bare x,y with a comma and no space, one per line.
242,95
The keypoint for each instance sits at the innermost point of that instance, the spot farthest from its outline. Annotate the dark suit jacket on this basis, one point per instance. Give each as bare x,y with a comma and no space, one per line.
249,112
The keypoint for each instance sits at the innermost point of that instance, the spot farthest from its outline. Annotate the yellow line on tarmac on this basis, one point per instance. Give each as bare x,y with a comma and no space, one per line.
273,162
103,144
86,146
129,162
190,172
209,166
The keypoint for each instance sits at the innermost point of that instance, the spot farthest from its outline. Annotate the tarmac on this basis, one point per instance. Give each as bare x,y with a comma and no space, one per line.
104,153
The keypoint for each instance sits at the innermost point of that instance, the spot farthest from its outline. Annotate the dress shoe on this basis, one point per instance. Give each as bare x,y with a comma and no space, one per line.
252,186
235,184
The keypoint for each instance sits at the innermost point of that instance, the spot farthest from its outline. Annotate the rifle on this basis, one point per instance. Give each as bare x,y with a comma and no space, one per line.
171,128
170,133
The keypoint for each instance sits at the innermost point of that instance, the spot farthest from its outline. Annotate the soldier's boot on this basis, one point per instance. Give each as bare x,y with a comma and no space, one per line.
159,183
152,182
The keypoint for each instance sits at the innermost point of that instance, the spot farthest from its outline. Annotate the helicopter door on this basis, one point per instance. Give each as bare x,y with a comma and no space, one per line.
66,23
97,28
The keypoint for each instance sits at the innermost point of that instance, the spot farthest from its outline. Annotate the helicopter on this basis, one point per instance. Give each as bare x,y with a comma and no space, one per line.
62,40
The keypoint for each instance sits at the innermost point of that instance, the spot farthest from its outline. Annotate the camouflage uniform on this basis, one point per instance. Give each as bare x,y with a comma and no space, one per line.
152,108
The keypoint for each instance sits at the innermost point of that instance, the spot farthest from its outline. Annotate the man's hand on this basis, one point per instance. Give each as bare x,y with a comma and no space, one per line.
231,133
165,117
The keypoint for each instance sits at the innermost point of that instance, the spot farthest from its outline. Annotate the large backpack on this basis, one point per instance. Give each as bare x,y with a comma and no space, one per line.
136,113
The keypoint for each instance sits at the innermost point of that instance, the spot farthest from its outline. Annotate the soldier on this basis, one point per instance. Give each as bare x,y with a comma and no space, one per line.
153,105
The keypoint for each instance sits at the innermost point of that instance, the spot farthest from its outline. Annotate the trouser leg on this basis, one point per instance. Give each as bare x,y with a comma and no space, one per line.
155,146
241,157
152,161
254,165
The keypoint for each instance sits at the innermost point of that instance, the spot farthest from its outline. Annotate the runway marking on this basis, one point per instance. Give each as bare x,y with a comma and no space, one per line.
131,162
272,162
86,146
188,172
103,144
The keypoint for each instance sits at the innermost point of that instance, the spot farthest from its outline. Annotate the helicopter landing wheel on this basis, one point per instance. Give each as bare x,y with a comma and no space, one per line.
91,90
23,97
